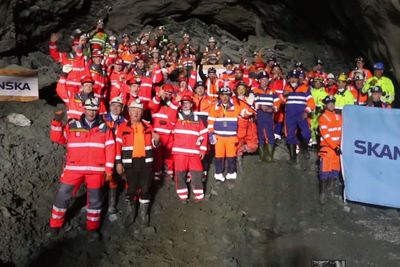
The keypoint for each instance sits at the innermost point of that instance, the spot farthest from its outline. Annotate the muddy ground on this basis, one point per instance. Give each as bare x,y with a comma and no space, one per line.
269,217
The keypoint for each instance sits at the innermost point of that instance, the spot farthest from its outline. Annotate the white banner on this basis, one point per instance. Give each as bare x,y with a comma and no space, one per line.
19,85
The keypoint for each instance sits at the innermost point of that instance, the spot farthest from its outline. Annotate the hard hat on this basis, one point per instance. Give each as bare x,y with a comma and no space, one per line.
319,62
330,76
271,58
318,79
119,62
359,76
376,89
293,74
211,39
329,99
212,70
263,75
91,103
379,66
187,98
125,35
134,80
298,64
161,27
136,104
260,65
117,99
228,61
301,74
359,59
112,37
276,65
155,50
200,84
87,79
168,88
100,21
342,77
186,35
225,91
97,53
133,44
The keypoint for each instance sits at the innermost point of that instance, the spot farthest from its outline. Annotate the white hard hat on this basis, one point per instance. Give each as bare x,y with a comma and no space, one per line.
116,99
330,76
92,103
136,104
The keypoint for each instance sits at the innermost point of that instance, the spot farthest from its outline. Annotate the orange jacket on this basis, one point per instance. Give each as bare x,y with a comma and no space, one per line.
89,149
125,146
330,127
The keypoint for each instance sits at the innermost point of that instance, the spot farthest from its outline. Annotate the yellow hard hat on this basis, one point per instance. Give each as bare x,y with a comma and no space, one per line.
342,77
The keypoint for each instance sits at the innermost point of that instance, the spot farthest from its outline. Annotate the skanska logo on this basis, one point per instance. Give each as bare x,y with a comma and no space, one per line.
14,86
377,150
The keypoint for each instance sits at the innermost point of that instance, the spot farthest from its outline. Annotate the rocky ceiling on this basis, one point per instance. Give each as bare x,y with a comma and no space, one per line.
370,28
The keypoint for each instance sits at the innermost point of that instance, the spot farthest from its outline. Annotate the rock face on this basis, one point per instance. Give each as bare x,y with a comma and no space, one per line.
369,27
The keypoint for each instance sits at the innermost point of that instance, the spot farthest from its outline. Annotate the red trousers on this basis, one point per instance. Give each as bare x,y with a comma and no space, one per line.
162,155
183,165
70,183
247,135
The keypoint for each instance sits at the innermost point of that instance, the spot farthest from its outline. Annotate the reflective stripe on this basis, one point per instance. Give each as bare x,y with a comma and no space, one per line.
59,209
56,128
335,138
155,101
334,129
71,111
160,115
93,211
54,216
117,157
147,160
181,191
84,168
93,219
173,106
146,84
204,131
201,196
161,130
226,119
126,160
327,135
110,165
198,191
99,145
185,150
73,83
148,147
78,69
296,102
110,142
201,113
119,140
143,201
324,127
296,97
225,132
203,148
211,118
181,131
125,148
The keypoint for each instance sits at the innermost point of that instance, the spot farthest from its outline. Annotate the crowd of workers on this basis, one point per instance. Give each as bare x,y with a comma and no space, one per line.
137,111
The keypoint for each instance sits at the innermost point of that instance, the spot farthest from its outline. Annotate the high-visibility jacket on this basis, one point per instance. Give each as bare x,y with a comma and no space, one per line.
128,56
100,86
266,97
330,126
224,121
125,143
387,87
318,95
202,106
190,136
75,106
164,115
360,98
61,89
298,100
343,98
187,60
116,83
65,58
89,149
213,87
278,85
227,76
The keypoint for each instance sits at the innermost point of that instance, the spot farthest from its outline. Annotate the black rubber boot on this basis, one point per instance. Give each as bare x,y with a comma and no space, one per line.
144,213
261,154
239,163
323,185
112,200
269,152
304,149
292,154
130,212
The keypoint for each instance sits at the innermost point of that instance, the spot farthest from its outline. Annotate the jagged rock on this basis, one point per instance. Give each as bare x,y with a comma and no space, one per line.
19,120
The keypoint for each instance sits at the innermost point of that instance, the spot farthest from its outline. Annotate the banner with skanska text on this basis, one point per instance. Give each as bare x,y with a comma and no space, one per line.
371,155
19,85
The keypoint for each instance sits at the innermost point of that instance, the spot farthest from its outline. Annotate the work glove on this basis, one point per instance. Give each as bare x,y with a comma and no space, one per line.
58,115
338,151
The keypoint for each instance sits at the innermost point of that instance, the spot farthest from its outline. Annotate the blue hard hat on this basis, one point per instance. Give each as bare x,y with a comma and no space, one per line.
293,74
379,66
